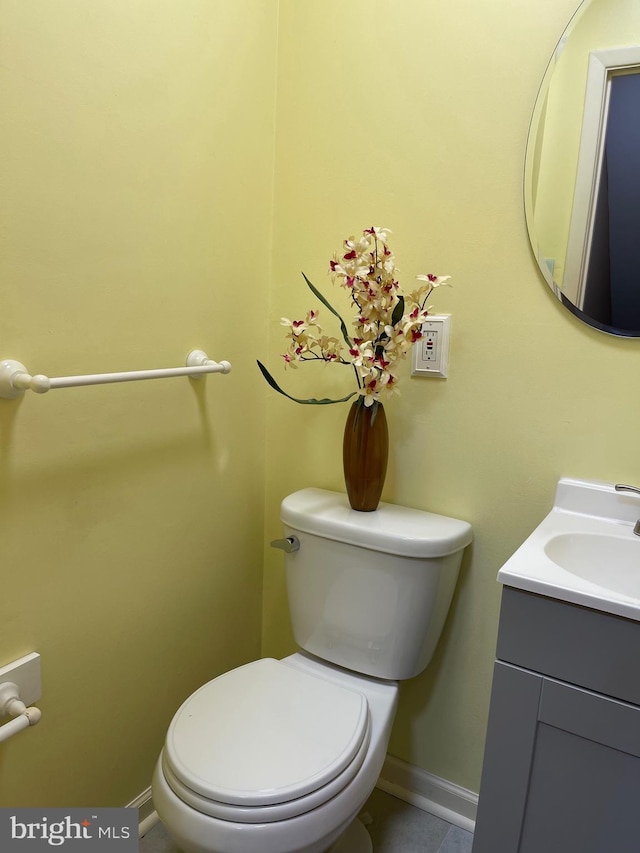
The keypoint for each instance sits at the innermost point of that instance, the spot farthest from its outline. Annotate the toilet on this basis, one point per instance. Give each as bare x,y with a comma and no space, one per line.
279,756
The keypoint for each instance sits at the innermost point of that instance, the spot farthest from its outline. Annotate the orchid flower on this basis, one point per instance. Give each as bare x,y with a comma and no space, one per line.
385,326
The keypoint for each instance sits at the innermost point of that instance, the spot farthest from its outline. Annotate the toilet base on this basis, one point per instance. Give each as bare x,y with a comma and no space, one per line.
355,840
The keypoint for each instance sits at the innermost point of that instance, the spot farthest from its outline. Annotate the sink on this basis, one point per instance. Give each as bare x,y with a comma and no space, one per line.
609,561
584,551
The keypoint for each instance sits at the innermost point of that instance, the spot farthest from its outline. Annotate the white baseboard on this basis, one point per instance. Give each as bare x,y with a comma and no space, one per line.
148,816
443,799
452,803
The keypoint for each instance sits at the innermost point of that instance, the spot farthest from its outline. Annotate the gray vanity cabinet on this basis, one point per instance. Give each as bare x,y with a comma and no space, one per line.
561,770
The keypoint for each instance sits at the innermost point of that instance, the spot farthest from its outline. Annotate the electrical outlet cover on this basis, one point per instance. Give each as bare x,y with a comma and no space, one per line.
430,356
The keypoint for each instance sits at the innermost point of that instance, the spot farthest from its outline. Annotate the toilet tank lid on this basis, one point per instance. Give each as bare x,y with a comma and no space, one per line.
393,529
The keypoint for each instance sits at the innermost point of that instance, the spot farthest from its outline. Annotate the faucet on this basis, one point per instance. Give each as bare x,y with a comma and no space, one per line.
620,487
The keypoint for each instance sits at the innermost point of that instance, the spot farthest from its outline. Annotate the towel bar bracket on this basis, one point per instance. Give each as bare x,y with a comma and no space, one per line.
8,369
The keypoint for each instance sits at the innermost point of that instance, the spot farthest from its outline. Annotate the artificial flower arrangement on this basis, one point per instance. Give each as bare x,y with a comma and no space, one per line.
386,323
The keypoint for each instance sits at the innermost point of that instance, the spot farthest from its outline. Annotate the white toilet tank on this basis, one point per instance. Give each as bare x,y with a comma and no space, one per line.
370,591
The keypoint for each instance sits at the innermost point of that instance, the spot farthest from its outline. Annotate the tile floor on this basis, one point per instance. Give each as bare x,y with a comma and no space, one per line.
394,826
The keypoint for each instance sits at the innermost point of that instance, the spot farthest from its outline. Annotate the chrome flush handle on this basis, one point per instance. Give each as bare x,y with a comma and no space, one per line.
621,487
288,545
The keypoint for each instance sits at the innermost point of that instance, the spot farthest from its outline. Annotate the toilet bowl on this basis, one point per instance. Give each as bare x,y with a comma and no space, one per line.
280,756
311,796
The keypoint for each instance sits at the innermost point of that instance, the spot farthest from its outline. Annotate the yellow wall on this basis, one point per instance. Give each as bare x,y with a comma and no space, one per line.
137,187
136,173
414,115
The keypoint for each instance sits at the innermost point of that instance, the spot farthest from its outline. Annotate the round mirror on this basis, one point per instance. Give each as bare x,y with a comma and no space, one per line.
582,168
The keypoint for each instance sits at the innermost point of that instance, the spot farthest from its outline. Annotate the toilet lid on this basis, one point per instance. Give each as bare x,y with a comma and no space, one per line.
265,733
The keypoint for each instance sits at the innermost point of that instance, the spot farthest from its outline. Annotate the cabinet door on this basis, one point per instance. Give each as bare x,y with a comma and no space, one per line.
508,753
572,781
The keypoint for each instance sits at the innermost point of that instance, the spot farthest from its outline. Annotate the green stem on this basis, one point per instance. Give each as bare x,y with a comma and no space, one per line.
312,401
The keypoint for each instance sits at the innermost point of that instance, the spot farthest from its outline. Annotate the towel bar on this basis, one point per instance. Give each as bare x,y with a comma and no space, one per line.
15,379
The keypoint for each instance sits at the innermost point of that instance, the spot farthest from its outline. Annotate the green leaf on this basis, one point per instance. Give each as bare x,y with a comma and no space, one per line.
312,401
318,295
375,406
398,311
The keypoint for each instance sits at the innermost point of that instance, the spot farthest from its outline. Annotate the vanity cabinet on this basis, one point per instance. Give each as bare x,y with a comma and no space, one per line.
561,770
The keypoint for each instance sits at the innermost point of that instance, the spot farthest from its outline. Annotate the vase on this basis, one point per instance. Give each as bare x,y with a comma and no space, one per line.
365,451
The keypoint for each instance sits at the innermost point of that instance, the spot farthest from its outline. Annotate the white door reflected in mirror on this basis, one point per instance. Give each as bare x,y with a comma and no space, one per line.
582,168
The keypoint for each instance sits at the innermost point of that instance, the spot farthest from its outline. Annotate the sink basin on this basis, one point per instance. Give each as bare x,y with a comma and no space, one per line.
612,562
584,551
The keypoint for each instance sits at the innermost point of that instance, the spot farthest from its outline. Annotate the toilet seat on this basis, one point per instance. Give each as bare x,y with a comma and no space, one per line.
265,742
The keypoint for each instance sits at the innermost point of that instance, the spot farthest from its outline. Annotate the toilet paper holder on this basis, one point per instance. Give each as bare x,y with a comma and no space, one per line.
12,705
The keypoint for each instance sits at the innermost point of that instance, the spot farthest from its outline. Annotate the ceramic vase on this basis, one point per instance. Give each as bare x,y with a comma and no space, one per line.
365,451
